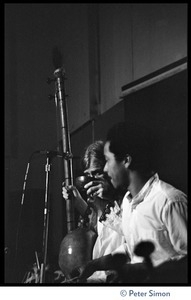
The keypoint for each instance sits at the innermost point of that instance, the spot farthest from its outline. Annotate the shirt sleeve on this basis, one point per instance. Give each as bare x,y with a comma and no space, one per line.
175,219
122,249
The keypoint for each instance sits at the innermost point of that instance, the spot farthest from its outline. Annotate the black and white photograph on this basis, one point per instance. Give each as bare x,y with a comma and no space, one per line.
96,148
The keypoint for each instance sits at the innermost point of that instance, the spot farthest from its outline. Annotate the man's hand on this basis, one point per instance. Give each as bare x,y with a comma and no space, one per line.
86,271
99,187
107,262
69,190
79,202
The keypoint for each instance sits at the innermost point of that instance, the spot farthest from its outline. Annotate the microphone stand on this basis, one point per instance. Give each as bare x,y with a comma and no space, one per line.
46,216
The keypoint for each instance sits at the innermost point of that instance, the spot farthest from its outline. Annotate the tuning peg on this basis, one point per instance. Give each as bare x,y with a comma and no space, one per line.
145,249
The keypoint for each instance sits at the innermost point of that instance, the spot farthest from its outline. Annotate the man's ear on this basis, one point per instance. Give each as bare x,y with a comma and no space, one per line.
128,160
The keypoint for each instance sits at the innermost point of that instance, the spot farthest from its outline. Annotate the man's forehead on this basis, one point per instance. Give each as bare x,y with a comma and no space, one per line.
106,147
93,170
95,165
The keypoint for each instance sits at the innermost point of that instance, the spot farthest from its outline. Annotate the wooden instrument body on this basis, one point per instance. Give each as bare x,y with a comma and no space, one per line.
76,250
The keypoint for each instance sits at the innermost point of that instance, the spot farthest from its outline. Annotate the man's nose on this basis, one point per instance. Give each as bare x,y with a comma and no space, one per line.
105,168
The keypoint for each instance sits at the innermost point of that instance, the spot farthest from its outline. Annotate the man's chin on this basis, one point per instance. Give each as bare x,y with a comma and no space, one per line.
113,183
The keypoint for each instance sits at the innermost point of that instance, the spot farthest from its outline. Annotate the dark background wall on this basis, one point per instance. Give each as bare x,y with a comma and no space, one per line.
104,47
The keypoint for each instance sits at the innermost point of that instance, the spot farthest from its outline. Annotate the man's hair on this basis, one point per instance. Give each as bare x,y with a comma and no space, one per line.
134,140
95,150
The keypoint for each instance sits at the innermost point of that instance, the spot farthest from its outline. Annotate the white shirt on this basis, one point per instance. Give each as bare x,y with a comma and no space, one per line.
158,213
107,241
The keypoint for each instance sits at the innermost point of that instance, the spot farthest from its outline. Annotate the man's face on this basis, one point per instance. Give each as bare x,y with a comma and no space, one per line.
95,169
116,170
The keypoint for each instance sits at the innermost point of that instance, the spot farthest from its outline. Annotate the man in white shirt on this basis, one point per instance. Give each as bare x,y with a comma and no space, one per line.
152,209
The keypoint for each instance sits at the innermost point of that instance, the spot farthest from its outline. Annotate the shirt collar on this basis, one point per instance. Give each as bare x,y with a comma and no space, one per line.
143,192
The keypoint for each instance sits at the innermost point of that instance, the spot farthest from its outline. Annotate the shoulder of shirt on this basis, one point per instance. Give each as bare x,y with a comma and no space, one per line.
170,193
